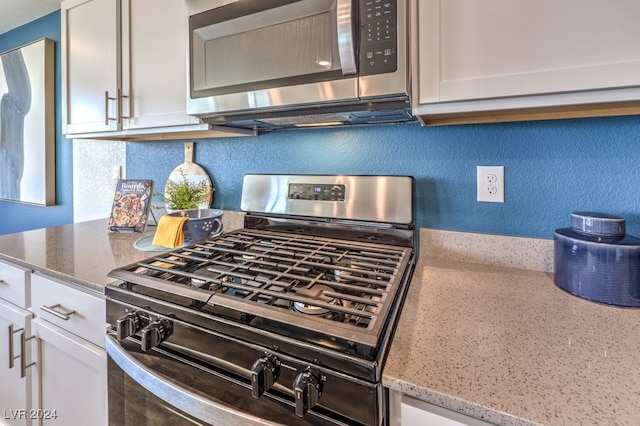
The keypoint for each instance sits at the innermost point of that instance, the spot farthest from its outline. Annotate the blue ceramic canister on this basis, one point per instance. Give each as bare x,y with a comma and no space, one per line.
596,267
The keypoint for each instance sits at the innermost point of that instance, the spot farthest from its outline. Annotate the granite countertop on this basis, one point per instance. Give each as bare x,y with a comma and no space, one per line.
82,253
507,345
483,331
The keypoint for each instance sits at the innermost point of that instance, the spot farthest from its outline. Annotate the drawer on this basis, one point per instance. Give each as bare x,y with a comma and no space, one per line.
69,307
15,285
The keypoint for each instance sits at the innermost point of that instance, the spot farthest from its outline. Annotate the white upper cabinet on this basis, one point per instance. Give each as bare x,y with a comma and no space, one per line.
124,71
89,65
518,54
154,64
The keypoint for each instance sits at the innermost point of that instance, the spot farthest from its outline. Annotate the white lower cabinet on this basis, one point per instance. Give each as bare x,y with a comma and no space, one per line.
18,392
73,378
53,365
17,397
72,364
407,411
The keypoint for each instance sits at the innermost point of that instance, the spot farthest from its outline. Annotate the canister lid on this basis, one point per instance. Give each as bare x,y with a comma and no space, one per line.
571,234
598,224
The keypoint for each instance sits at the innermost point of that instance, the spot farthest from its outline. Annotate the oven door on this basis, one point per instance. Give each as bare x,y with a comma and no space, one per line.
258,54
160,388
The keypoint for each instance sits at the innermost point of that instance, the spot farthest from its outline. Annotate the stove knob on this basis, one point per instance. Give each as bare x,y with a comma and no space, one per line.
307,389
155,333
128,325
264,373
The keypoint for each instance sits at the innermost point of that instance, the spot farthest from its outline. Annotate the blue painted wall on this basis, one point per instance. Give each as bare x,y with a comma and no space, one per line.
15,217
551,168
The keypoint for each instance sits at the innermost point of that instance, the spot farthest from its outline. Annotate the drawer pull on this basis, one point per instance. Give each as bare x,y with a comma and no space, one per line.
65,315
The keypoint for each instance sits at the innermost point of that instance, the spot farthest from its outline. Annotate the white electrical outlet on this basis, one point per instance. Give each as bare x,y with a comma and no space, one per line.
491,184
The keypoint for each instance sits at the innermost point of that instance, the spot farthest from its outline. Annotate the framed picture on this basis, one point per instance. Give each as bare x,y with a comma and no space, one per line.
27,115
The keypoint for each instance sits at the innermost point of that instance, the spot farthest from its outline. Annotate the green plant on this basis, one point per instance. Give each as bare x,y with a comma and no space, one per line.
185,195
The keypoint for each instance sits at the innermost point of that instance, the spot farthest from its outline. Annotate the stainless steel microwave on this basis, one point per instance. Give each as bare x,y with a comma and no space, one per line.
278,63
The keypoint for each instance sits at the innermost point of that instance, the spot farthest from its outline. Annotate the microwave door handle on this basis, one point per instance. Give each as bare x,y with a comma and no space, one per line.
346,49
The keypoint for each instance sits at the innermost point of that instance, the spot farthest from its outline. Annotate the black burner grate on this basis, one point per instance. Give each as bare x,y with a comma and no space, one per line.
327,285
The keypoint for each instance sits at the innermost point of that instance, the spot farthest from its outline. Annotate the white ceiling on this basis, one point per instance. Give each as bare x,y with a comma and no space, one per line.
14,13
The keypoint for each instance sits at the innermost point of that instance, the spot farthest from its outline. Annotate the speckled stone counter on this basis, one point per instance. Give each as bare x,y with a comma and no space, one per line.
507,345
484,330
82,253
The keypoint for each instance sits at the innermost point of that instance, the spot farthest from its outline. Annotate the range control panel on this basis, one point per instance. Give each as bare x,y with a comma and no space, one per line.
316,192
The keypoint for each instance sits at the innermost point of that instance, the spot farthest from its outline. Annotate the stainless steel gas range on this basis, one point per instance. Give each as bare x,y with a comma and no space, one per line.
285,321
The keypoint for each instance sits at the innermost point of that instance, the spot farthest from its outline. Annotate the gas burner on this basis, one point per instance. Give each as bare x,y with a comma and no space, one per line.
201,280
344,271
348,273
317,292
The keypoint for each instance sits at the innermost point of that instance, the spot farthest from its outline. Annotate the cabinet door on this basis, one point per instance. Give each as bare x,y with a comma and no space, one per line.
474,50
73,378
154,64
17,399
90,51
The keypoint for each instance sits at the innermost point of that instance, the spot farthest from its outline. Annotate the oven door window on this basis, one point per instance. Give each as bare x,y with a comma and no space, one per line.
156,388
253,46
131,404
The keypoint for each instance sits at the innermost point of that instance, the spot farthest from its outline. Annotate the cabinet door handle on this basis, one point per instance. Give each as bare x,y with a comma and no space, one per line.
23,344
108,98
65,315
120,98
12,357
23,362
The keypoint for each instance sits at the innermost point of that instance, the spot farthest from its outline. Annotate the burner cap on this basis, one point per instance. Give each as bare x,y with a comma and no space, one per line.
200,279
344,271
316,293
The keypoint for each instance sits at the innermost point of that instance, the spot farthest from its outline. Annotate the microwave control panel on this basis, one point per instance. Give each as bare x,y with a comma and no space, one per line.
378,36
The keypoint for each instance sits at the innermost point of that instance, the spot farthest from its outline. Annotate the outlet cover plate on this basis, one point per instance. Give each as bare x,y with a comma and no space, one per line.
490,184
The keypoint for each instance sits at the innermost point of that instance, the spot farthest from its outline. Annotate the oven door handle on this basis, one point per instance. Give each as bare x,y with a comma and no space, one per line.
179,397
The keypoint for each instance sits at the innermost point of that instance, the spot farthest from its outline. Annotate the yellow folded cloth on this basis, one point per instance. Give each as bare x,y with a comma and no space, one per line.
169,231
